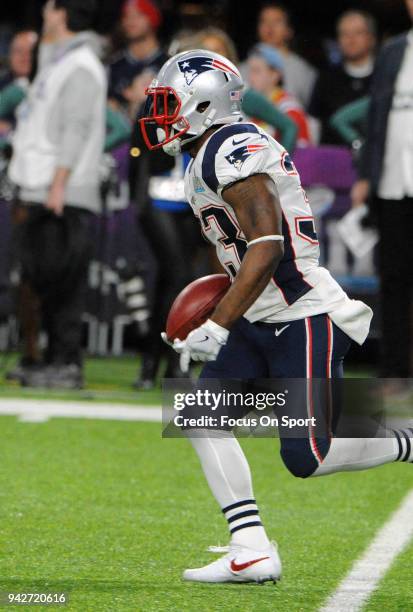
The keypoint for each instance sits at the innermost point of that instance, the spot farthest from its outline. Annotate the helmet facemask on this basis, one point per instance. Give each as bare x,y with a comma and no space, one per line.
171,131
162,114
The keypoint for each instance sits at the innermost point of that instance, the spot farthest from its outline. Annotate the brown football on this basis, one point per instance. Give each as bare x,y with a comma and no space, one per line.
195,304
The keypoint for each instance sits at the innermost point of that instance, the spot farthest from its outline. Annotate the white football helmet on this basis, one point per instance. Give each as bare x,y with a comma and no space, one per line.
193,91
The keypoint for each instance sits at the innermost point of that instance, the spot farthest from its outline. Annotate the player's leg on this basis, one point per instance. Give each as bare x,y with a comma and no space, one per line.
353,454
229,478
301,351
320,349
251,556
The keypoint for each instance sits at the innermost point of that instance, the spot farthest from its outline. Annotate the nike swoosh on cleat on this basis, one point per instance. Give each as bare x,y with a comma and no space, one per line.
204,340
238,567
239,141
280,331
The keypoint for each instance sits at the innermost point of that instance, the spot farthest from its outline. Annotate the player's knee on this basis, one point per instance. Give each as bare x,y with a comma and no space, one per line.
298,458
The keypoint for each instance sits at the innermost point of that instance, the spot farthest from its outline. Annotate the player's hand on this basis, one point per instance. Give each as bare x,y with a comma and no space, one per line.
203,344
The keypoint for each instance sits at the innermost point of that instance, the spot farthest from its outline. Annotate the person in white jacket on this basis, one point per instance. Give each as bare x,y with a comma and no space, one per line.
57,150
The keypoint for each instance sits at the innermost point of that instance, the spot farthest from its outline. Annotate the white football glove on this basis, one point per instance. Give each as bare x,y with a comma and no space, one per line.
202,344
176,344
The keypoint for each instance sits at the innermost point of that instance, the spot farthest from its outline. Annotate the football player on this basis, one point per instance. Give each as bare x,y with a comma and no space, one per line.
284,316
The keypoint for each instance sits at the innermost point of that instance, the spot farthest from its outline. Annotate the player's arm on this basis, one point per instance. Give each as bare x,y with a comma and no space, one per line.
258,210
257,207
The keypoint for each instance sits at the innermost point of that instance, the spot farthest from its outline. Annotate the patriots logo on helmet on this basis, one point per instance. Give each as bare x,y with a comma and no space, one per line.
238,156
194,66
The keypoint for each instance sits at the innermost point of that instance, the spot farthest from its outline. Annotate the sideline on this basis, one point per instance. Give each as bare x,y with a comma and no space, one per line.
40,411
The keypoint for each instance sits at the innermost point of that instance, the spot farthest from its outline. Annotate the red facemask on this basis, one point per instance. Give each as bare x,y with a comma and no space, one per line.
162,111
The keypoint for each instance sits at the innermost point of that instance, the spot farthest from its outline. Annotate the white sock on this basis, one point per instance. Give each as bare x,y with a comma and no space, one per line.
229,477
353,454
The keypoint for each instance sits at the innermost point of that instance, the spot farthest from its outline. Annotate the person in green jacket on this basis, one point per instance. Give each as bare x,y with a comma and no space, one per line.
350,121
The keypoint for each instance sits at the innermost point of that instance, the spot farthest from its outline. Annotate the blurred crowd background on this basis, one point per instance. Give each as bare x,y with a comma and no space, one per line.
96,239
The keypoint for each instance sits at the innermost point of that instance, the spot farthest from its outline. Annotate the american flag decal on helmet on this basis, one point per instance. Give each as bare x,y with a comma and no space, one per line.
194,66
235,95
238,156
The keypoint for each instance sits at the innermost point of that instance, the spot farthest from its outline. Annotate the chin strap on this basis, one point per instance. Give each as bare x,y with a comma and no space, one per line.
275,237
172,148
175,146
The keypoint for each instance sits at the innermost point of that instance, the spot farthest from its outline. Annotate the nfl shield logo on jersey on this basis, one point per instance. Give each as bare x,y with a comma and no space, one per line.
198,187
194,66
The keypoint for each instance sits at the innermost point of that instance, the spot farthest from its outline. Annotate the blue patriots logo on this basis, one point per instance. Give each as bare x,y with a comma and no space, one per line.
194,66
238,156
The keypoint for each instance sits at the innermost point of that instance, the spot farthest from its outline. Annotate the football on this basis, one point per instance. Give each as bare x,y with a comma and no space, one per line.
195,304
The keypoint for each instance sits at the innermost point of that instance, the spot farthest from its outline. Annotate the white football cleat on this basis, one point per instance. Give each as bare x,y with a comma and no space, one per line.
240,564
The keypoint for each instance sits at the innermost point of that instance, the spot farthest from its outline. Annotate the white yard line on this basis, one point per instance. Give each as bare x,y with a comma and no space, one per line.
30,410
365,575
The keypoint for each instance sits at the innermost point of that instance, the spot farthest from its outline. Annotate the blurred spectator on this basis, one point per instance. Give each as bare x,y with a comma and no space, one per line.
254,103
155,181
339,85
57,149
16,77
118,131
265,75
350,122
13,89
20,57
275,29
173,235
217,40
183,40
118,128
387,178
134,67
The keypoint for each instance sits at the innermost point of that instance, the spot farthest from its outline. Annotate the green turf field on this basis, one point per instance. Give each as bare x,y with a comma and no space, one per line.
107,380
111,513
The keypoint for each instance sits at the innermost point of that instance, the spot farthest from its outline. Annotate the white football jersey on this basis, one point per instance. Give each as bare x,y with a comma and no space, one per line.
300,287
